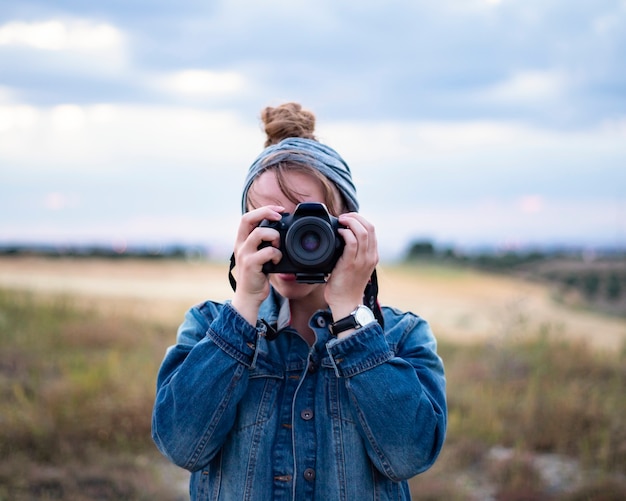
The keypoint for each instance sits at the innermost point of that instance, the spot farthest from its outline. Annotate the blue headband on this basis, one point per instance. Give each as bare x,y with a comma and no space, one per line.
311,153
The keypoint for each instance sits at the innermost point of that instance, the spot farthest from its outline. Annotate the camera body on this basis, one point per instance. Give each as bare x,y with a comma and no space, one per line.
309,242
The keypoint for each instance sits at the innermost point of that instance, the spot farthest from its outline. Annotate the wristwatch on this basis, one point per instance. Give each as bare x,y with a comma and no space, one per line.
360,317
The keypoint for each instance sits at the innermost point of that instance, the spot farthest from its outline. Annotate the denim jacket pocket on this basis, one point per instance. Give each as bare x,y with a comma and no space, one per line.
259,403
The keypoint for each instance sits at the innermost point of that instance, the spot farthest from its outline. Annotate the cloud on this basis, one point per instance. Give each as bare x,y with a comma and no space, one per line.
63,56
454,159
531,204
56,201
112,138
67,118
203,83
469,5
17,118
464,115
62,35
396,144
527,87
7,95
409,166
497,221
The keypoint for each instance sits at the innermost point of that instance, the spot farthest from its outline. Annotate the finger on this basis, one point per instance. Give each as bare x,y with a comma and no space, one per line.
365,236
262,237
353,218
260,246
250,220
268,254
358,230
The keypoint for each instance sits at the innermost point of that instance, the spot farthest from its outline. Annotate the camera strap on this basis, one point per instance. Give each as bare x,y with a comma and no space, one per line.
370,295
231,278
370,298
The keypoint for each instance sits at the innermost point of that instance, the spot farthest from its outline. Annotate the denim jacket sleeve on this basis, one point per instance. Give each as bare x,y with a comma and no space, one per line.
397,387
209,364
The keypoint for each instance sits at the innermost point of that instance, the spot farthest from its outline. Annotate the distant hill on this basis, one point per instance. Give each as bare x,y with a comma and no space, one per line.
173,251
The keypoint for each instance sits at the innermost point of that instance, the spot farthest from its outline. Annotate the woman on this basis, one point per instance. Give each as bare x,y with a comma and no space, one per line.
298,390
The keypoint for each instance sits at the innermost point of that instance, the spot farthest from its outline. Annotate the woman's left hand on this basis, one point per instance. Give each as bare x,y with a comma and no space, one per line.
347,282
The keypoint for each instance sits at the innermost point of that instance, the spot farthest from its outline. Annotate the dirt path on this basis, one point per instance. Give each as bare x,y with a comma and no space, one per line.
462,306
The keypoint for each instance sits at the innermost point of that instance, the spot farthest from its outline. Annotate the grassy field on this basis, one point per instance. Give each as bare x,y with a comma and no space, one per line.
76,392
535,413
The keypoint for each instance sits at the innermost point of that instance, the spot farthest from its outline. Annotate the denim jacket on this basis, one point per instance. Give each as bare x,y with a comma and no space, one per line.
260,420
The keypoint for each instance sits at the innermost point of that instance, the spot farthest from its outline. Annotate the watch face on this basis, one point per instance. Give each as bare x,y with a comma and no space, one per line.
364,315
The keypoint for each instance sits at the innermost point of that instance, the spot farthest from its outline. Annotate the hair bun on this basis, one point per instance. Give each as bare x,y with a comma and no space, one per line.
287,120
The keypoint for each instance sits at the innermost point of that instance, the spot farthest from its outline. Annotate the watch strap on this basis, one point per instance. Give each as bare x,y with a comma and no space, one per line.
360,317
344,324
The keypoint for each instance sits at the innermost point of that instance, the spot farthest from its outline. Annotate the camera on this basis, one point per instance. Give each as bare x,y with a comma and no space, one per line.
309,242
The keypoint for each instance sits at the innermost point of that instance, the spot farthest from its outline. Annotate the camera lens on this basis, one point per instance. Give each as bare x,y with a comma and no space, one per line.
310,241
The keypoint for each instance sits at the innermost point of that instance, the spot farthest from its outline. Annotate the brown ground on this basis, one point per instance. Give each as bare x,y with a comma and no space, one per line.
461,305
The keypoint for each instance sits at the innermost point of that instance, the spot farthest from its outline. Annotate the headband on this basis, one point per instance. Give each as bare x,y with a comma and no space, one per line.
311,153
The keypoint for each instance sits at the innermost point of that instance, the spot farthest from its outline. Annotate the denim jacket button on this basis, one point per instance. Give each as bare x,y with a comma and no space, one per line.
309,474
306,414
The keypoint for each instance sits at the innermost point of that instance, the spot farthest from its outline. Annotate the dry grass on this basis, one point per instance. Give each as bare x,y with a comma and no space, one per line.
466,306
537,419
76,391
533,414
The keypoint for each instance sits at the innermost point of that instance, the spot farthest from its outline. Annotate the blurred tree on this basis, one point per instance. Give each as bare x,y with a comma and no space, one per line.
591,284
613,287
421,249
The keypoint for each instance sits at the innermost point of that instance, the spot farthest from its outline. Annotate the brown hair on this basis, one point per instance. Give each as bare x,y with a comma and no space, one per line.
290,120
287,120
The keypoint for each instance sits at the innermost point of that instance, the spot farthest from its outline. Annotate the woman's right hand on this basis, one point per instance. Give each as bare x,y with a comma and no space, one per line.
252,284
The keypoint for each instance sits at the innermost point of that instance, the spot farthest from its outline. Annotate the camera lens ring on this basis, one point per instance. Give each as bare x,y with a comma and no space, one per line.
309,230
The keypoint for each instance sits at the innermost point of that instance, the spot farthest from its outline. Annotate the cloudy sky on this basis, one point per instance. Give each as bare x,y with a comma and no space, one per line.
467,122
